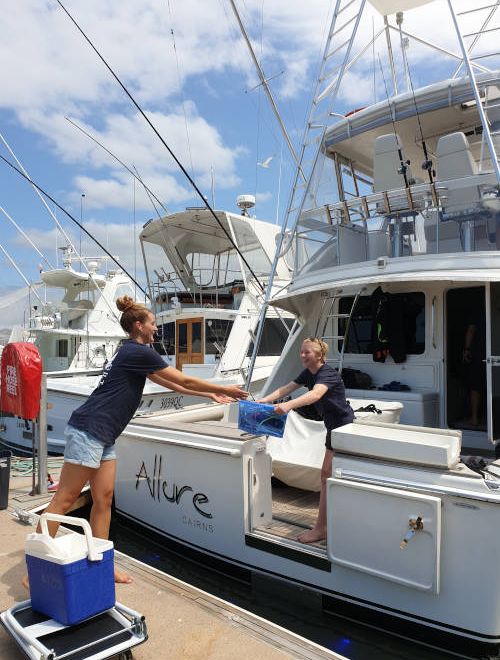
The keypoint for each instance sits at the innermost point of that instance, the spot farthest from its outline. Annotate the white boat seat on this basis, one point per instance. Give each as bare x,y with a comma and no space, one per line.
387,177
455,161
387,164
400,443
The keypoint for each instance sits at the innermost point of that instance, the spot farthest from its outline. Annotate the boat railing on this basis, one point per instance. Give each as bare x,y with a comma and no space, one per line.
210,287
456,215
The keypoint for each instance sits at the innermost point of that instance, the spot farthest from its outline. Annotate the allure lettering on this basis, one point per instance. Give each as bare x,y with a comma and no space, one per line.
161,488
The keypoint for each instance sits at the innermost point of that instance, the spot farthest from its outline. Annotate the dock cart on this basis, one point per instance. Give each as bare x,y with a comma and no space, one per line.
111,634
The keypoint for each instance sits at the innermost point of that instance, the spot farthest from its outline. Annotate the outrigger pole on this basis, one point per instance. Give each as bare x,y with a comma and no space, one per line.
135,174
78,224
267,89
159,136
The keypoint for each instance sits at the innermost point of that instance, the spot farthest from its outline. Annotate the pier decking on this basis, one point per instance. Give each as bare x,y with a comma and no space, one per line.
183,621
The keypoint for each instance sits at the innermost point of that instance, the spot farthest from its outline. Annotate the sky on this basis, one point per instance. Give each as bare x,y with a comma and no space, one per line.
187,66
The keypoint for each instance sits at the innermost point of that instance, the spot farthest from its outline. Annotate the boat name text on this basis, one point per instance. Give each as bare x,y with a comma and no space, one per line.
161,488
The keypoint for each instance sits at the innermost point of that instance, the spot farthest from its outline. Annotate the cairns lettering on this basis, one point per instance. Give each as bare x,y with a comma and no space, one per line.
160,488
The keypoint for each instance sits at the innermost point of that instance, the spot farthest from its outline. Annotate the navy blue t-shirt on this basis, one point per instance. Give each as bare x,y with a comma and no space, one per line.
113,403
333,408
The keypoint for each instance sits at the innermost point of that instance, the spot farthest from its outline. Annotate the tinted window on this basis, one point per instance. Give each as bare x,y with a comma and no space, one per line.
274,336
62,348
166,339
410,308
183,341
196,337
216,335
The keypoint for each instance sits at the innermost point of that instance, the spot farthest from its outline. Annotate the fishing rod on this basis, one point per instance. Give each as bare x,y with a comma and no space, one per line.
78,224
134,174
158,135
403,163
427,164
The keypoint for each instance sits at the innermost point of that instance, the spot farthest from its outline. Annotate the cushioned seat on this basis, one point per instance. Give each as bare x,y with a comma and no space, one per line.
399,443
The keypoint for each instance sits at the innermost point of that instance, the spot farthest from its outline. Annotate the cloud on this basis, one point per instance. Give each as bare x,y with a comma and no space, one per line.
198,146
264,197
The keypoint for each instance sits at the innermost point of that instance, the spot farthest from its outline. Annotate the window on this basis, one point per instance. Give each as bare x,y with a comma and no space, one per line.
274,336
407,312
196,337
183,338
166,339
216,335
62,348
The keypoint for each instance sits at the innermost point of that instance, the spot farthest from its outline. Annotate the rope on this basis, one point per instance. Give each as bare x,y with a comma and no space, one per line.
22,467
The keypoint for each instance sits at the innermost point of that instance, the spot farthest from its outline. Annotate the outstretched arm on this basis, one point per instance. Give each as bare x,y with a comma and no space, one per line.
306,399
174,379
218,398
281,392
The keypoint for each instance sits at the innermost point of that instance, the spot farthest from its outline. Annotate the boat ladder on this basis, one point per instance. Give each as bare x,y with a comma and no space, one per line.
330,314
336,58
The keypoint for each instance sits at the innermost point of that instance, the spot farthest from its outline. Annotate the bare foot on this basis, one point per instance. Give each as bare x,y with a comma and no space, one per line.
312,536
122,578
26,582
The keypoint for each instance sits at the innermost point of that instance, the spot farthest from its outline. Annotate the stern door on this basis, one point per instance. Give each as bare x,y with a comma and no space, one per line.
189,342
387,533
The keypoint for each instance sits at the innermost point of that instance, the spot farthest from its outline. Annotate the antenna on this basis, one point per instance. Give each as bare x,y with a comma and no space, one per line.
245,202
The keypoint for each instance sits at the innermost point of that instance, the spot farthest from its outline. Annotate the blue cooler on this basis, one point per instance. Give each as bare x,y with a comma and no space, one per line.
260,419
72,576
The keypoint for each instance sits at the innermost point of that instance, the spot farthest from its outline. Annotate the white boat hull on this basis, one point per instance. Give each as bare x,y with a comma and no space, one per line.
175,482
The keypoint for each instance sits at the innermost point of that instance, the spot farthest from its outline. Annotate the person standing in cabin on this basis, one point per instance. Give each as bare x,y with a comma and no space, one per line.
93,428
325,401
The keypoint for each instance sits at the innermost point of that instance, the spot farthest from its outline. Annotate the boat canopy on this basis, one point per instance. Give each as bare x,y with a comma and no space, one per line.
195,243
387,7
443,108
72,280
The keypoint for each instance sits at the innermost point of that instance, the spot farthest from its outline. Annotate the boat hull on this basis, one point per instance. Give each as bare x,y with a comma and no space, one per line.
213,495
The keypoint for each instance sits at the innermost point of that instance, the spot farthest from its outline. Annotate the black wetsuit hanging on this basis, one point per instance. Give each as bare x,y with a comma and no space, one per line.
380,325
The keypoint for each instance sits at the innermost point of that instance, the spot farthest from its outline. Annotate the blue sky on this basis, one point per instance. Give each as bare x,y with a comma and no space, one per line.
200,96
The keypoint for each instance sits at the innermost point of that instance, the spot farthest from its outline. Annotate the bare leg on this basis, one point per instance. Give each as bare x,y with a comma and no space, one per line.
318,532
102,485
71,481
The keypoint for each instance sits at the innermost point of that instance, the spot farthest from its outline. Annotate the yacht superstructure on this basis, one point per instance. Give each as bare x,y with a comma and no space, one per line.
395,252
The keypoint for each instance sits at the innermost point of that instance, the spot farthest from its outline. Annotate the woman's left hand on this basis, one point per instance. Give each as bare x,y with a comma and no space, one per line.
281,409
221,398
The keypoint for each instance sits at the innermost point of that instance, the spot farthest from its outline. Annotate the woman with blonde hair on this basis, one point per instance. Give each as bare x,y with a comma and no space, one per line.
94,427
326,401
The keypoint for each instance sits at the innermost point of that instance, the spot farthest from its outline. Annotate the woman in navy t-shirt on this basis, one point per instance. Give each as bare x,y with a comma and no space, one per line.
94,427
326,401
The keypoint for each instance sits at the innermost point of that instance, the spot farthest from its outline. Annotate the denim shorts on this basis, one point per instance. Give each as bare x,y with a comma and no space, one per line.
83,449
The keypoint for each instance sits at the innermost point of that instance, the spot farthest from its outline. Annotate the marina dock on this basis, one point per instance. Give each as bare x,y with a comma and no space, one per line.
182,621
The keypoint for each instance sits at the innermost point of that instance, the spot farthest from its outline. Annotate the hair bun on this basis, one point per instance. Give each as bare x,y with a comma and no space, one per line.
125,303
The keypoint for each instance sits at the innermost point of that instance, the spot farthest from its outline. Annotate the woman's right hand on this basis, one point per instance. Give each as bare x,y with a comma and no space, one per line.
235,392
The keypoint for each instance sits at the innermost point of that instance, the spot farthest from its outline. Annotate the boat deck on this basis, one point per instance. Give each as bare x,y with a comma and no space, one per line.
212,427
294,511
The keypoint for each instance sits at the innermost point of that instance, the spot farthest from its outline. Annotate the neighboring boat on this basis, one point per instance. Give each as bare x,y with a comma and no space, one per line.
75,336
207,306
392,272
